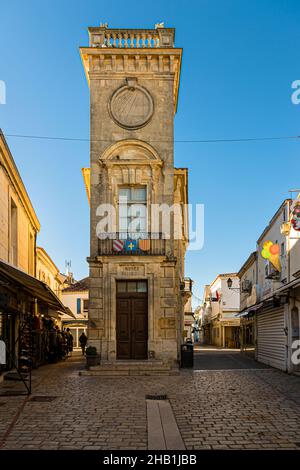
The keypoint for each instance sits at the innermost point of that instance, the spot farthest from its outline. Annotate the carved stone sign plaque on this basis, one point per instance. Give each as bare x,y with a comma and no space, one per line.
131,107
131,270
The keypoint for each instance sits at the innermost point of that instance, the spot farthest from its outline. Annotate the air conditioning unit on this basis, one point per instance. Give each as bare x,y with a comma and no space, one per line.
246,286
271,272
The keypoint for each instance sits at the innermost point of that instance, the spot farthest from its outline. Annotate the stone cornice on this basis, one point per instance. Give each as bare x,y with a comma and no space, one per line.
46,260
151,156
160,63
8,163
137,163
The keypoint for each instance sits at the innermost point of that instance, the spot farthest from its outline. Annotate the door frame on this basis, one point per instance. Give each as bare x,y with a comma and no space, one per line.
133,295
110,307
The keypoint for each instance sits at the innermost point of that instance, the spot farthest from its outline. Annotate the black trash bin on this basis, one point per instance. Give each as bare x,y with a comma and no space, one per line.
187,355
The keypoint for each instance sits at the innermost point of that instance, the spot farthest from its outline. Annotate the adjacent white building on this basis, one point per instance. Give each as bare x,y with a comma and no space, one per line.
189,320
248,298
76,297
220,306
273,301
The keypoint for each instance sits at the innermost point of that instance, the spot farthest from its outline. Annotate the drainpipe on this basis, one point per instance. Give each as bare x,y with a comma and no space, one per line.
34,255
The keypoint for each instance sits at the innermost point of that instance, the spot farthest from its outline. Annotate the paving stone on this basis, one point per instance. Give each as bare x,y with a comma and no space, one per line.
229,409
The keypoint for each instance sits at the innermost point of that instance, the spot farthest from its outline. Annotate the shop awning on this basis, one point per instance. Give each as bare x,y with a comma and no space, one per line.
76,322
268,301
290,285
58,313
14,277
248,310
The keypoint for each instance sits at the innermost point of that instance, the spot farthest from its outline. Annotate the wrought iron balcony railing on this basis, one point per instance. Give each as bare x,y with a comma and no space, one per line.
133,244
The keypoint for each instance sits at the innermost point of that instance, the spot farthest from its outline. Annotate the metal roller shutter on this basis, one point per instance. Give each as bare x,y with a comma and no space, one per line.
271,338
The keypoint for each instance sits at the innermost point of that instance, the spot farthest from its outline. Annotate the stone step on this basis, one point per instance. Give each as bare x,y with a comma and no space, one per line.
15,376
131,368
126,372
131,365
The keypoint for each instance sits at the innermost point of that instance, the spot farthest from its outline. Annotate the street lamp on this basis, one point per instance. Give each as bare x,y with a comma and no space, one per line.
229,285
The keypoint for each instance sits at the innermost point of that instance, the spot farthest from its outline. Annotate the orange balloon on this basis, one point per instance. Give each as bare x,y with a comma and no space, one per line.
274,249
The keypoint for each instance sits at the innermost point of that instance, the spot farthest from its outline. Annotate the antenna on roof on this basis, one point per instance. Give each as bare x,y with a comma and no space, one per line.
291,191
68,264
69,274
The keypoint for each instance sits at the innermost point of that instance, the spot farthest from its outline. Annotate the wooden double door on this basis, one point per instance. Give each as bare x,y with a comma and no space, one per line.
132,320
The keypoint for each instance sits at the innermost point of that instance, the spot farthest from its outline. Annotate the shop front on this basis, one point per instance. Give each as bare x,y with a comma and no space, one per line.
76,328
247,334
29,312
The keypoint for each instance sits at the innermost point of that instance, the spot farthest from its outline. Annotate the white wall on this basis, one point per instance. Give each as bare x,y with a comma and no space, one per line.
230,297
268,286
249,275
69,299
215,306
229,302
294,251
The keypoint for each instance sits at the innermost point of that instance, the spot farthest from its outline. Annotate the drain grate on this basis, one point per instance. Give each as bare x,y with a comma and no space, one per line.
42,399
156,397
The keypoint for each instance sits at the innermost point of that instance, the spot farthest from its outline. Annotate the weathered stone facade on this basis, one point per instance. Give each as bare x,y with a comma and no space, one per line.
21,251
132,147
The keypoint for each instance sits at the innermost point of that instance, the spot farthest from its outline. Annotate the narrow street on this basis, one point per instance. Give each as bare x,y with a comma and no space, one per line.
227,402
212,358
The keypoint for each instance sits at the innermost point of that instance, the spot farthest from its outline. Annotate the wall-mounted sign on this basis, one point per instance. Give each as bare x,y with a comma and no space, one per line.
131,270
295,216
118,245
271,252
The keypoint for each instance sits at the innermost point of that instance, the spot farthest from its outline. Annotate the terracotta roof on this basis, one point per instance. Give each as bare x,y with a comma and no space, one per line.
81,285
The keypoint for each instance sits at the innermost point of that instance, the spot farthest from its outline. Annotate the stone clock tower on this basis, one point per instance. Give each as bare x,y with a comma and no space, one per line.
137,290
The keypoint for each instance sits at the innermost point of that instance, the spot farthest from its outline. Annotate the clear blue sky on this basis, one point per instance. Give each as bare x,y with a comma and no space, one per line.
240,58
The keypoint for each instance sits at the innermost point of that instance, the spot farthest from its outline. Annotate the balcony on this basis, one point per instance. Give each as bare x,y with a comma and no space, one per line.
132,38
186,287
139,244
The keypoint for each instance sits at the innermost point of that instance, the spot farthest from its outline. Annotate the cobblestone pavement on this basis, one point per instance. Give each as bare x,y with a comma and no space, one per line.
228,409
208,358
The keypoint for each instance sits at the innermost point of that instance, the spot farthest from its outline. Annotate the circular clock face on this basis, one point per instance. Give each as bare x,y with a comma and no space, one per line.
131,107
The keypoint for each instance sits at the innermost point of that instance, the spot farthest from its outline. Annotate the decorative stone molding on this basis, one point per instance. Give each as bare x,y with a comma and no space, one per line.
130,152
110,64
104,37
131,106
